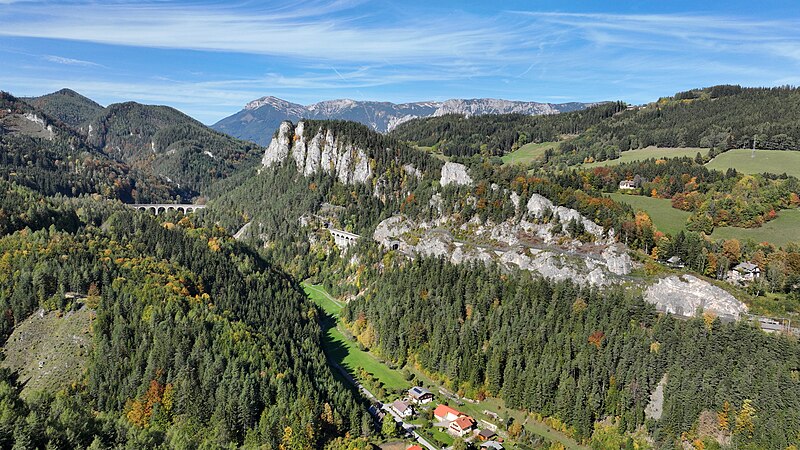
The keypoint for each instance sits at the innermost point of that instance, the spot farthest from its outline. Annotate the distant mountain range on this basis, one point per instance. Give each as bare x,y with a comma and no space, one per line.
259,118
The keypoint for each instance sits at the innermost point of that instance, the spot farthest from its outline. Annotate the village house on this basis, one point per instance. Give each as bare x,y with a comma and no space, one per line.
743,274
414,447
486,435
420,395
492,445
403,409
444,413
462,425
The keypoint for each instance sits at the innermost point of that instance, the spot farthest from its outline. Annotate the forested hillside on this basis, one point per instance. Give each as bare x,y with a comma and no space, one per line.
167,143
456,135
54,159
720,117
197,341
582,354
69,107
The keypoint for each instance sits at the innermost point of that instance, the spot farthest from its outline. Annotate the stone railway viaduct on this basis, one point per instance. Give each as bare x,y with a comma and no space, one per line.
158,208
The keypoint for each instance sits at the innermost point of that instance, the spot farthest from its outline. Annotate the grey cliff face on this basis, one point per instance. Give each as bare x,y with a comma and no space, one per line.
321,151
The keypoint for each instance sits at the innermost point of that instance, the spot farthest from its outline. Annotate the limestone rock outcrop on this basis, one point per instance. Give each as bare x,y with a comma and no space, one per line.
686,295
455,173
318,151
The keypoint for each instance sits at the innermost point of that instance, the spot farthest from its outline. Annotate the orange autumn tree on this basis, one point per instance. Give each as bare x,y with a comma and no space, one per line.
596,338
141,410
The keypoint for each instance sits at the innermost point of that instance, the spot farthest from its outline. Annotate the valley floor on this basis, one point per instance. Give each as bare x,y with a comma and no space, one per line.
345,352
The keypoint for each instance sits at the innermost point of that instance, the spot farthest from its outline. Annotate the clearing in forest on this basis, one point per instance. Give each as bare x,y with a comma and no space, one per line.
666,218
769,161
50,349
528,153
641,154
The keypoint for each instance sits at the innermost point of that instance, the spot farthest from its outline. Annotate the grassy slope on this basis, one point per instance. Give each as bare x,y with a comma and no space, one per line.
50,350
666,218
780,231
346,352
771,161
641,154
528,153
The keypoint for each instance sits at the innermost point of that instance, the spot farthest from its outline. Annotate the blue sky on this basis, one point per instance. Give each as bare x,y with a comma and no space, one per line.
209,58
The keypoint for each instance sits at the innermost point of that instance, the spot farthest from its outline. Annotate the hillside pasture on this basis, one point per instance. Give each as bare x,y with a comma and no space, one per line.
779,231
641,154
769,161
666,218
346,352
528,153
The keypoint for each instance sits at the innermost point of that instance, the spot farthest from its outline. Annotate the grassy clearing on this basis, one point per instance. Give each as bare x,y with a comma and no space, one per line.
640,154
666,218
527,153
346,352
433,151
770,161
50,350
780,231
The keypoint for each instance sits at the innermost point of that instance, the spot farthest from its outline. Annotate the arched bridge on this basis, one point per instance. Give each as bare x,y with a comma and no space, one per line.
158,208
343,238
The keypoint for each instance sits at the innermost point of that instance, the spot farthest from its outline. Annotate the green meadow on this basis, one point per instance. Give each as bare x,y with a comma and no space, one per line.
641,154
770,161
666,218
528,153
346,352
779,231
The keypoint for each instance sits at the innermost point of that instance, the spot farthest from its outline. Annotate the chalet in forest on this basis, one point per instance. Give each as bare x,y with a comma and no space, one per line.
627,184
748,270
420,395
675,262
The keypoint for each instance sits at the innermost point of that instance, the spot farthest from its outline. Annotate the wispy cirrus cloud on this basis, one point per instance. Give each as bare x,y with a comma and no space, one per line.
312,50
333,31
70,61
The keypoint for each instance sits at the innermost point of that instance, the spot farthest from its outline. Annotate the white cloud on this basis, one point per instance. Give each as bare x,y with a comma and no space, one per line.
69,61
332,31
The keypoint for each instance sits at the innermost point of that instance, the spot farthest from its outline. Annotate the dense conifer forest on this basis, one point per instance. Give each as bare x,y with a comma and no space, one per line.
581,354
197,340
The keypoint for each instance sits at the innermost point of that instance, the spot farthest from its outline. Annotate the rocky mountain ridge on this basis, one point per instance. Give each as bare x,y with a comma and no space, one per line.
262,115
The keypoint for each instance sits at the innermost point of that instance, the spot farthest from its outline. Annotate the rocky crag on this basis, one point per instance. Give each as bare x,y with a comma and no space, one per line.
318,150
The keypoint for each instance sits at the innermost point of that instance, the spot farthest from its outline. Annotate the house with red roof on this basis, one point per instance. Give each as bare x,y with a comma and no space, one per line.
445,413
462,425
